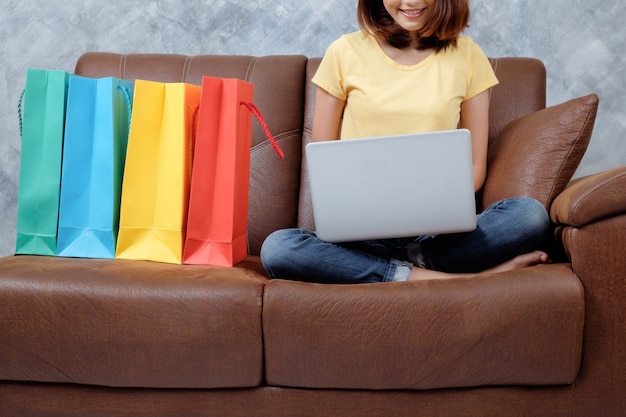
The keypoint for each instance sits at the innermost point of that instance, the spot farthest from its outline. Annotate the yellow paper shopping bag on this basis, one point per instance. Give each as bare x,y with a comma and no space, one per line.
155,188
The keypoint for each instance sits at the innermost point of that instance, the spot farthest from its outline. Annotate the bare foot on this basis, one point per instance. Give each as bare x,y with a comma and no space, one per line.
521,261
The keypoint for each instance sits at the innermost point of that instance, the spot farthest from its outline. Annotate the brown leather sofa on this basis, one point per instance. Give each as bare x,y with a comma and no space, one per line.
85,337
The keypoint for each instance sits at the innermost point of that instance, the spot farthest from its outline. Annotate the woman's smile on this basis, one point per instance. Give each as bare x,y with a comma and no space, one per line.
413,13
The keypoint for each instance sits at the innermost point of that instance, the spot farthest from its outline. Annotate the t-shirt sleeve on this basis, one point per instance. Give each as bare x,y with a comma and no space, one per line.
482,77
329,75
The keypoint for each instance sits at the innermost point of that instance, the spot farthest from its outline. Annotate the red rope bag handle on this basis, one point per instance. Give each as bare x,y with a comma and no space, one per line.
257,113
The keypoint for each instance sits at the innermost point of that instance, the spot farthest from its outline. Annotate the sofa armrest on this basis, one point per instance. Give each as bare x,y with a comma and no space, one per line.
591,198
590,223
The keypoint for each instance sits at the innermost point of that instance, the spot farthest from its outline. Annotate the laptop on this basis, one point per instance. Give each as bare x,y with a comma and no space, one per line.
392,186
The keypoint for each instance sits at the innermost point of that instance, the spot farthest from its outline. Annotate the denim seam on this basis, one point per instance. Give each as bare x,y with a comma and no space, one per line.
396,267
391,271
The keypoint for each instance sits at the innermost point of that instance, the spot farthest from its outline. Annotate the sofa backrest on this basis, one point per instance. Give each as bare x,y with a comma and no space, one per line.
279,90
279,194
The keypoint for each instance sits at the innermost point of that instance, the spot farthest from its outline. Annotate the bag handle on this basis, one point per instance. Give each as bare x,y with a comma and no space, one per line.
19,110
257,113
129,102
125,90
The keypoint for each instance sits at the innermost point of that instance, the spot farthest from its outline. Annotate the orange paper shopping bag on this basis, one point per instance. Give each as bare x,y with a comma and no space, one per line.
155,188
218,206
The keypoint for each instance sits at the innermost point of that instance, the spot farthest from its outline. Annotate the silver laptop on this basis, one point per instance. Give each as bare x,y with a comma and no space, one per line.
393,186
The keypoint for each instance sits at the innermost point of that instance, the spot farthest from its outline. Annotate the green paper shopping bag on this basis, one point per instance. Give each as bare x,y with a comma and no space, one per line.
42,117
155,189
94,151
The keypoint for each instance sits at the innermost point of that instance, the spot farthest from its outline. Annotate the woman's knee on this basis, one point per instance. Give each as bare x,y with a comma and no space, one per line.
277,251
533,218
536,214
520,219
274,244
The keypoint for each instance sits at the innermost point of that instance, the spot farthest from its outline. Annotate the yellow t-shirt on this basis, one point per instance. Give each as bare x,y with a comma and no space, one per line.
385,98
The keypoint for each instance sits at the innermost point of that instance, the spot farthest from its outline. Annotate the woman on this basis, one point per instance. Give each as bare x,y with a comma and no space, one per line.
409,70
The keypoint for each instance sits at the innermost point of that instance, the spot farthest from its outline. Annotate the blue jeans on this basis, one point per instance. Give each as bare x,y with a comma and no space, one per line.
506,229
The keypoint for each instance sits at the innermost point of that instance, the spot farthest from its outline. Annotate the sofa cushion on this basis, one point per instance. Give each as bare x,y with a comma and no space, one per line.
130,324
537,155
519,328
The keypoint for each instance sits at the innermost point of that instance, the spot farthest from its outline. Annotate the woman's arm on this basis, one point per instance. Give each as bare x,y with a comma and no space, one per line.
475,118
327,116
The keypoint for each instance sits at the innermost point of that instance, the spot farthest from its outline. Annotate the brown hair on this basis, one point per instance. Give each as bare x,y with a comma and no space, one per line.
446,23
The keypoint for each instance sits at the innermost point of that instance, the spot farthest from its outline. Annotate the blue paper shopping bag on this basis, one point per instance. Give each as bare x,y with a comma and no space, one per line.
94,151
42,117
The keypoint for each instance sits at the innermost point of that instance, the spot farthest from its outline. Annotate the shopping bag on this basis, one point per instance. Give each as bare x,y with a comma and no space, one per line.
218,207
42,116
157,173
94,150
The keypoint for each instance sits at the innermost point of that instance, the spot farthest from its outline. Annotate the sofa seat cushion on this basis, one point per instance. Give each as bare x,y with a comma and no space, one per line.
130,324
518,328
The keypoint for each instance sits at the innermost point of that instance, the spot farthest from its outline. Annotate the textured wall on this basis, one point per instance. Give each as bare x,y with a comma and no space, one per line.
581,43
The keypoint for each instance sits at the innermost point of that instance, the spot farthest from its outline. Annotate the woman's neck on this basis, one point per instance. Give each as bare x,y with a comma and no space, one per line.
408,56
